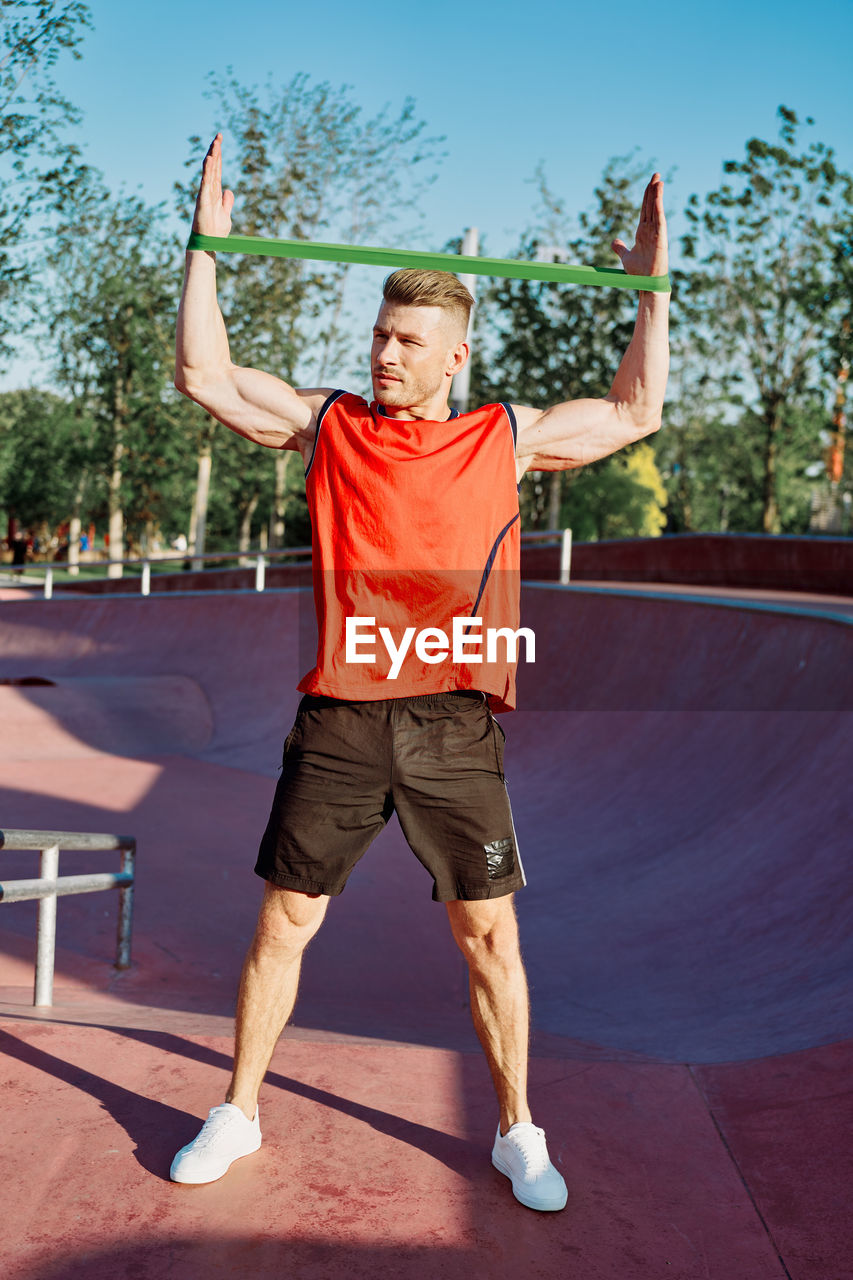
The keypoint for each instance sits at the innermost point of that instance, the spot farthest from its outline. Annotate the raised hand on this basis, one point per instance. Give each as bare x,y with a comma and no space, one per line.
213,206
649,256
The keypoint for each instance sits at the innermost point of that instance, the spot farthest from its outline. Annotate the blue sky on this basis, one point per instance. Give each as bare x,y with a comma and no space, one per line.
508,85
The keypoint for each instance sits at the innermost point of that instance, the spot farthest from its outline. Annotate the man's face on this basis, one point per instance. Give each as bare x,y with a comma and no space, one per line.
413,354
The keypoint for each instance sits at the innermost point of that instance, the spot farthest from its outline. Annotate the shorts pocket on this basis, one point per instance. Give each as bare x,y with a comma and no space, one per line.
498,740
290,740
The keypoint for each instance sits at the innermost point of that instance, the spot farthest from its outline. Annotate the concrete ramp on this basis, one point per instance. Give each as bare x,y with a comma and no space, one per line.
687,816
679,772
241,652
86,715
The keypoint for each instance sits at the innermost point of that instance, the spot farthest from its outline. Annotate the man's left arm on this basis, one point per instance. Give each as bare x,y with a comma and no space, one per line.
581,431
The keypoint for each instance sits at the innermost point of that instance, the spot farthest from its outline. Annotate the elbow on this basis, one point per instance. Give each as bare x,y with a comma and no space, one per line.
637,417
180,379
205,385
192,388
646,424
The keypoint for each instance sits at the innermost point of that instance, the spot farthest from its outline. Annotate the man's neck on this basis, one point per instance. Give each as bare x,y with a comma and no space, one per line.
436,411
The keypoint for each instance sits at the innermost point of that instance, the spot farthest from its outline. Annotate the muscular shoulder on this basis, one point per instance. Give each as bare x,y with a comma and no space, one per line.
525,416
314,398
320,399
312,401
529,422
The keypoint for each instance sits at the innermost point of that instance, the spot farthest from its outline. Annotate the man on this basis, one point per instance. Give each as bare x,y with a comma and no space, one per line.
415,531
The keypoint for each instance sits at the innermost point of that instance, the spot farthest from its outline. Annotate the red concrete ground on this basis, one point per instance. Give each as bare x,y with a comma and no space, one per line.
679,781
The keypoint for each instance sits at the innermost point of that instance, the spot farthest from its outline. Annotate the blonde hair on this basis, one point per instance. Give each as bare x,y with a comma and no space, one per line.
414,287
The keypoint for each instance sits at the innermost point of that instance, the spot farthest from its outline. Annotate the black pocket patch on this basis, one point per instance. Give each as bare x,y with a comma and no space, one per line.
499,856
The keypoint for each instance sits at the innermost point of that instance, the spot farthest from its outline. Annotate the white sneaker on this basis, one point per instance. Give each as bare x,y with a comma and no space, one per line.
522,1155
225,1136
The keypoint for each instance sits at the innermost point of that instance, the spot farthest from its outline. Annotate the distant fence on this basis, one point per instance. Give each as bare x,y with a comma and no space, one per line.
823,565
254,570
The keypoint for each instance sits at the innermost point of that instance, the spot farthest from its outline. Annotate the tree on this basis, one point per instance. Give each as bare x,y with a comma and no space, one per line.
41,448
623,500
553,343
307,164
760,304
836,494
35,160
110,313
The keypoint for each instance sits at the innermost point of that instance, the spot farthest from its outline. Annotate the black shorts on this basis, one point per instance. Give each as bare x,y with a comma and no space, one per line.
436,760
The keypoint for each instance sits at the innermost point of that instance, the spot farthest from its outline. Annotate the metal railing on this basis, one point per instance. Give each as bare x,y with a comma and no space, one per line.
245,559
553,538
50,886
550,537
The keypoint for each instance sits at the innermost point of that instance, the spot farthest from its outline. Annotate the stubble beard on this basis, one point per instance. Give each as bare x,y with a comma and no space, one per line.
404,394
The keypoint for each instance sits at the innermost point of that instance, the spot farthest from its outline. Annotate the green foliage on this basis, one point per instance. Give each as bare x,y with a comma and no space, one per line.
762,306
552,343
110,316
764,315
245,484
622,496
305,163
36,160
643,513
713,468
712,471
42,443
159,466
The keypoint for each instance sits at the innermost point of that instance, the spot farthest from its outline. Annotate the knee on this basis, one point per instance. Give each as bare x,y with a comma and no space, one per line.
488,944
480,950
288,921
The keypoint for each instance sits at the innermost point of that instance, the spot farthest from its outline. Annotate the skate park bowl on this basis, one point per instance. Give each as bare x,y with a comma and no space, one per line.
678,770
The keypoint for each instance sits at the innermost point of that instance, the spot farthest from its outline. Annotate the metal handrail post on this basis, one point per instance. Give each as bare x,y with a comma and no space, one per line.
146,578
566,555
46,945
125,909
50,886
260,573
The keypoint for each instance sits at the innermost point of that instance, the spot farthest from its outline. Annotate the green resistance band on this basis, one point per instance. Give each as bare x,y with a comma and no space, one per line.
558,272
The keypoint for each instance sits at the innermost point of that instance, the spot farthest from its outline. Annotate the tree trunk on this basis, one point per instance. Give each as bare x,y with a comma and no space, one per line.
335,319
116,514
75,525
277,522
151,539
246,528
724,508
770,514
531,491
555,499
198,520
684,489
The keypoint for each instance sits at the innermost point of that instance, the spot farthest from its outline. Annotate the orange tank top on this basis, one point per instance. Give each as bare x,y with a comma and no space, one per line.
415,529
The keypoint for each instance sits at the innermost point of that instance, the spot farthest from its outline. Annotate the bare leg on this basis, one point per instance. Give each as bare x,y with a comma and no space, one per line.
287,922
487,934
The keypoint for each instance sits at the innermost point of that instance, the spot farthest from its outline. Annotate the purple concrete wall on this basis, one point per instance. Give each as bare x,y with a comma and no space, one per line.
820,565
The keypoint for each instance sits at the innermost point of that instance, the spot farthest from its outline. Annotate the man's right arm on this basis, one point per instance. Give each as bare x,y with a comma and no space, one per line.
256,405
